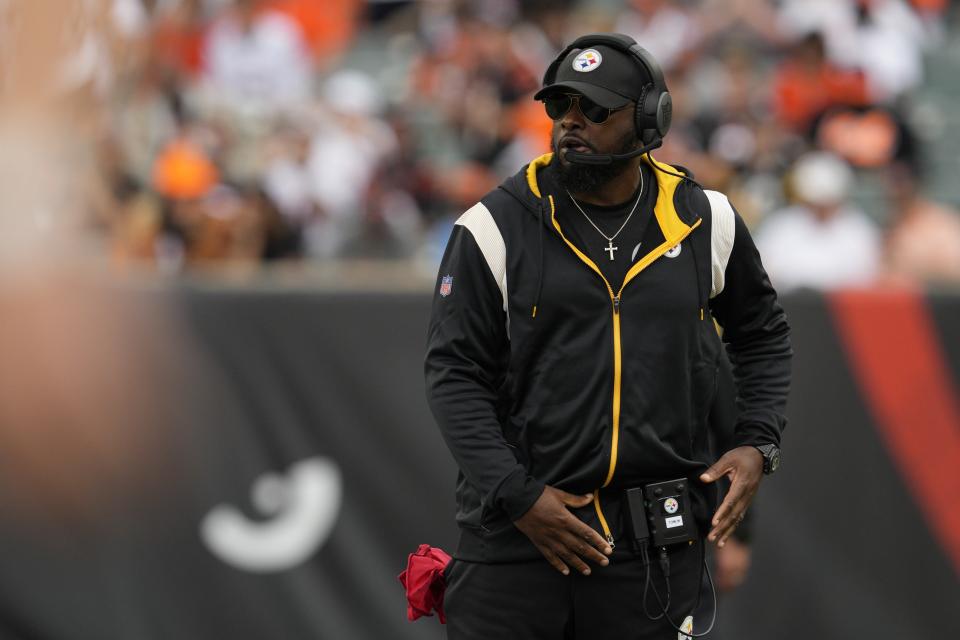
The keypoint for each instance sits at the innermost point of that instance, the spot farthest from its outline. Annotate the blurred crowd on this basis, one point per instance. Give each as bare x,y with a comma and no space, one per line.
244,131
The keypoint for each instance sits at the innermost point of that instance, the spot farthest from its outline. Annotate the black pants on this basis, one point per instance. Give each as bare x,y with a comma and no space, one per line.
533,601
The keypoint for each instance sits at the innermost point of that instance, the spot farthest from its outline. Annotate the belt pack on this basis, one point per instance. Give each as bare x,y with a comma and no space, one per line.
660,512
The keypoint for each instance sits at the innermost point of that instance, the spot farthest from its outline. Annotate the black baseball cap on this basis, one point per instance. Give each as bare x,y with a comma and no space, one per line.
608,76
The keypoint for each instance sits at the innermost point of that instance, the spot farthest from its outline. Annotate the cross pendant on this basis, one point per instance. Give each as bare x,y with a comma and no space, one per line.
610,248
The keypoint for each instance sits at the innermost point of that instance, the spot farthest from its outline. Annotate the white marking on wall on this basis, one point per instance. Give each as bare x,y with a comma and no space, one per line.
303,504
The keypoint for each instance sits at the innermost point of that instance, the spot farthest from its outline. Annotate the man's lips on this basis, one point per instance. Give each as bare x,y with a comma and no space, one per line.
573,143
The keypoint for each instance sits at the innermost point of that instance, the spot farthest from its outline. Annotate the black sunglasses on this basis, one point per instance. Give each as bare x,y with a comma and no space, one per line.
558,105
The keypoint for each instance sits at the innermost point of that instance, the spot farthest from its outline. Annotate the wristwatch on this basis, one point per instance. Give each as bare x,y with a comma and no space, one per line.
771,457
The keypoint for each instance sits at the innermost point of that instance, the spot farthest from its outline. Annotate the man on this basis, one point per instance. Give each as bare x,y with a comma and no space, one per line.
573,355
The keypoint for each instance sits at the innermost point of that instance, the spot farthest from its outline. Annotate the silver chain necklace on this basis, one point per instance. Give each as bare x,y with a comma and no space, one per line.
610,248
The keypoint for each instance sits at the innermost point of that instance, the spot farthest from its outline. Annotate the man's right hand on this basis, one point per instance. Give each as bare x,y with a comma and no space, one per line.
563,540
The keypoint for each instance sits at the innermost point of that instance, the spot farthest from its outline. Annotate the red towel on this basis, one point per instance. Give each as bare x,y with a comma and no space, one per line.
423,580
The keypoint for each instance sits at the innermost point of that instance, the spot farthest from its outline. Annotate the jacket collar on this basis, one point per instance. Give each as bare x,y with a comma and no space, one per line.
664,210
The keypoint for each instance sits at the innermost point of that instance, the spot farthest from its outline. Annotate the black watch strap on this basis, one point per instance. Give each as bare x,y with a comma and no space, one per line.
771,457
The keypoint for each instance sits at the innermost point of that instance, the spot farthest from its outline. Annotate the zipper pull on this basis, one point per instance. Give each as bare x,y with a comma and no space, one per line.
616,304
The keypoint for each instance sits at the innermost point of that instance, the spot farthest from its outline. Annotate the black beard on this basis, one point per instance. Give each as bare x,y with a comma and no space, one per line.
589,178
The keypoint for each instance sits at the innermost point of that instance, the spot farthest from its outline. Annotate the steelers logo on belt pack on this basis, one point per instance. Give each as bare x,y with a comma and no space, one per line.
587,60
670,505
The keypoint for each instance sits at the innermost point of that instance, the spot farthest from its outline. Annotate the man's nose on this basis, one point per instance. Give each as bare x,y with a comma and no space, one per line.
572,119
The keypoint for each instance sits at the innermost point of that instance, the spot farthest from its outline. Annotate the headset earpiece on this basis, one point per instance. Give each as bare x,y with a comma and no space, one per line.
657,104
642,116
664,113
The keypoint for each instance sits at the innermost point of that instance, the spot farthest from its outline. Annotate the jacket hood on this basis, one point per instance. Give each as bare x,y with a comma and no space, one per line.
524,185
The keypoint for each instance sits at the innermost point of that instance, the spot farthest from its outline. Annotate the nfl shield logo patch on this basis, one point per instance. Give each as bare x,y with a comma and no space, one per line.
446,286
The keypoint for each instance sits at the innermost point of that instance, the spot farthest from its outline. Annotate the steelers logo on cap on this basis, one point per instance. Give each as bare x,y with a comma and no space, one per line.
587,60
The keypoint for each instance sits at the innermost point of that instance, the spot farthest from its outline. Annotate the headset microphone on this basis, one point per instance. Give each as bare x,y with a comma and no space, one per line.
608,158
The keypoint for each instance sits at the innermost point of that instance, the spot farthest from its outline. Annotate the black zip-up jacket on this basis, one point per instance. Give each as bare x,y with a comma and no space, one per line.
539,371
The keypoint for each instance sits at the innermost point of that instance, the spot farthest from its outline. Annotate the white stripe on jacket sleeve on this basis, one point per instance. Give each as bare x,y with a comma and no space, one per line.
478,220
722,232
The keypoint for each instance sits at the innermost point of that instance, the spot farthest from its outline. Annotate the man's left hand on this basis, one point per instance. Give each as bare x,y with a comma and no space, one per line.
744,466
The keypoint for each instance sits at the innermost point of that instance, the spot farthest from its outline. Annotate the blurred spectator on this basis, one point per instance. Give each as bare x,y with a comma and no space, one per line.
145,231
349,145
130,17
222,226
734,143
286,176
237,119
146,116
256,60
184,170
867,137
882,38
823,241
177,38
749,21
136,236
392,220
471,79
668,30
931,12
280,238
328,26
543,31
923,241
806,84
888,45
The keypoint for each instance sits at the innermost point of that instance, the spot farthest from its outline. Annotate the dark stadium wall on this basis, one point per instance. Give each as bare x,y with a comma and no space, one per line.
301,466
842,546
894,352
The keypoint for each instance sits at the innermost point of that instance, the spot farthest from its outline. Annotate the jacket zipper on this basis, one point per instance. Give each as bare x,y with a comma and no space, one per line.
603,521
615,299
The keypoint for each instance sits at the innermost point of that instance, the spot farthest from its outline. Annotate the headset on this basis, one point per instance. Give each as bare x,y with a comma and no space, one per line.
654,108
